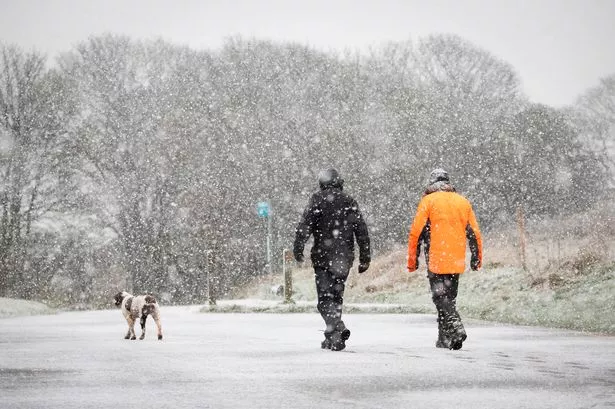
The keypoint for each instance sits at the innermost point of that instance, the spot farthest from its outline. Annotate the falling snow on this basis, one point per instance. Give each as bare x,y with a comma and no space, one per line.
138,164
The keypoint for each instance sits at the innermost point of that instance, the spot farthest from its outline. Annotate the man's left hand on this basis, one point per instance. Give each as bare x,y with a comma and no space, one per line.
474,264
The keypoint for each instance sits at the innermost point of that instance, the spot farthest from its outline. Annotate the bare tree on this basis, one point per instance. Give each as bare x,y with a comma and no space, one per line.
126,100
594,117
33,159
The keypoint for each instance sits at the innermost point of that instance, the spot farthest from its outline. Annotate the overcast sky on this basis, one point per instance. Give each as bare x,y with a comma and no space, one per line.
559,47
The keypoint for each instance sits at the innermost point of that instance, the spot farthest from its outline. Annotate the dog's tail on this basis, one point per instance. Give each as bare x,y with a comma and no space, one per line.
150,305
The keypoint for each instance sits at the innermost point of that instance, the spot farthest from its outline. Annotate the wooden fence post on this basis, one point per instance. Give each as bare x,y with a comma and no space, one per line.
287,261
522,236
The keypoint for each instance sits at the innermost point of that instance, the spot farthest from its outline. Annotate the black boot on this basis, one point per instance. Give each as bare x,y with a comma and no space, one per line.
339,338
458,334
443,340
326,343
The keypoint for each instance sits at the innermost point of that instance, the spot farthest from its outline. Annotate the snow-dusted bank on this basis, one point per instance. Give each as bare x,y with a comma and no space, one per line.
10,307
580,301
271,306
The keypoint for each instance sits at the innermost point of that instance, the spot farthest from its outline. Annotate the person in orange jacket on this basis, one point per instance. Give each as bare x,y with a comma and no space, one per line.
444,220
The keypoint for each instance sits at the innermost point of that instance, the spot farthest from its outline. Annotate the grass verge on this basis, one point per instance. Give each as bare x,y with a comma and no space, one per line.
10,307
569,297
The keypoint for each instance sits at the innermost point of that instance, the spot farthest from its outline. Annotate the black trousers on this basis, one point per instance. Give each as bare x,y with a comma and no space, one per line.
330,285
444,296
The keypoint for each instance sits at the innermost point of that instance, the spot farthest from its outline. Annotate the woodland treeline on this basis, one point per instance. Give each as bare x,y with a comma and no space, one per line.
138,165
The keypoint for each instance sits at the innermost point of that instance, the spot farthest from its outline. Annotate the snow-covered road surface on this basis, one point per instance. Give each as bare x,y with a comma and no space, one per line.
80,360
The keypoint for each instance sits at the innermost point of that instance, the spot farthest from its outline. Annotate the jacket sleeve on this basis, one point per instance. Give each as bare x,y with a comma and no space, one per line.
361,234
305,228
475,241
418,224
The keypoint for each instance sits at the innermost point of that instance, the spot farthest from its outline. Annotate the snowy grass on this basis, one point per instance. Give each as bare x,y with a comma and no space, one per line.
581,302
503,294
10,307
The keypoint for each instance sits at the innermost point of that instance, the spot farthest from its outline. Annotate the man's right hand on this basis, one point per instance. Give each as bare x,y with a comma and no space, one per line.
363,267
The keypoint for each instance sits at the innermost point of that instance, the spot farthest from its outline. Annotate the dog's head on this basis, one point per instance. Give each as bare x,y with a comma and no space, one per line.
119,297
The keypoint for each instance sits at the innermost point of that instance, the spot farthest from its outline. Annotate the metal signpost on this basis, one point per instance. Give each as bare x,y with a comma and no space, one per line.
264,211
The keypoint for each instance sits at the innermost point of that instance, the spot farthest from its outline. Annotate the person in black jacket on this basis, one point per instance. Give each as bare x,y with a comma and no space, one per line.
334,219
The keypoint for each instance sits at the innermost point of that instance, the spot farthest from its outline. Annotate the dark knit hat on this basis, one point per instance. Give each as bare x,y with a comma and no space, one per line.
330,178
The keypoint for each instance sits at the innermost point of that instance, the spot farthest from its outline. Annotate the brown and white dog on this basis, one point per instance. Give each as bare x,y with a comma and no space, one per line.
138,307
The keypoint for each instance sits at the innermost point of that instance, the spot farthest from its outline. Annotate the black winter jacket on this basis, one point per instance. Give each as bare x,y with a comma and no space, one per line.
334,218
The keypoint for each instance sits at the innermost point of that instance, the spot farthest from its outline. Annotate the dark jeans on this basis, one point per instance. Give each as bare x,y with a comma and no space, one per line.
444,296
330,285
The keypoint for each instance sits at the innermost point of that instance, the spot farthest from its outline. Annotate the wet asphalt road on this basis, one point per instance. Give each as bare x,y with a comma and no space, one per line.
80,360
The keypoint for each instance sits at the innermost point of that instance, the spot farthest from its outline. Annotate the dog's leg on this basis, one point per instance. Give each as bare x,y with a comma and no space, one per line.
127,333
131,328
156,316
142,322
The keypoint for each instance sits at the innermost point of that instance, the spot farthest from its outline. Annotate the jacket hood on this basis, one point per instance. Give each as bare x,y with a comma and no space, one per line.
440,186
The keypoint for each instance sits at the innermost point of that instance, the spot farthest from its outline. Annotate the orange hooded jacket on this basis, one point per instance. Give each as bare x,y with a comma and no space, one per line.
443,222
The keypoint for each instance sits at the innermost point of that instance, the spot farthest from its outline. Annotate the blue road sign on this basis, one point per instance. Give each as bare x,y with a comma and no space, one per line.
262,208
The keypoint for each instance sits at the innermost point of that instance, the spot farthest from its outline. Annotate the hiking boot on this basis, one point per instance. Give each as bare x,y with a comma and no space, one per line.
457,339
338,339
443,341
456,331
